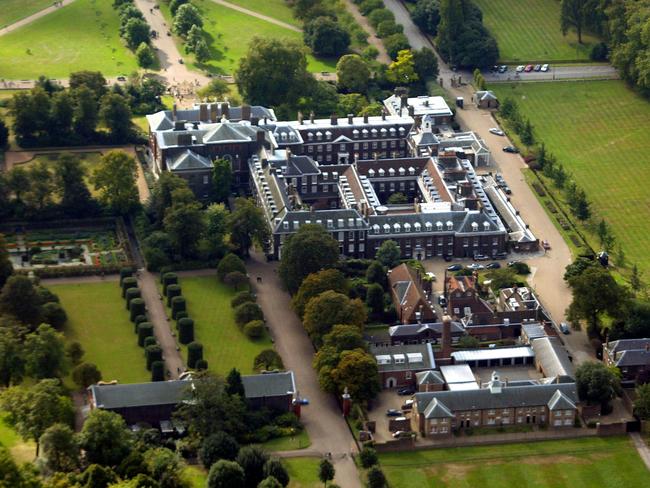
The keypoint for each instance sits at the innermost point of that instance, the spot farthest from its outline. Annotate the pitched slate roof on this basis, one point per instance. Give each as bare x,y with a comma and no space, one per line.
627,344
429,378
436,410
559,401
189,160
397,331
552,356
508,397
634,357
230,132
111,397
269,385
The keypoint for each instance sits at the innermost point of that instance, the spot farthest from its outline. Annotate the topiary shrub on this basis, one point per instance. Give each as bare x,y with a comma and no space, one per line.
129,282
185,330
246,312
194,353
201,365
150,341
157,371
132,293
145,329
242,297
169,279
254,329
152,354
172,291
229,263
178,305
136,308
138,320
181,315
125,273
368,457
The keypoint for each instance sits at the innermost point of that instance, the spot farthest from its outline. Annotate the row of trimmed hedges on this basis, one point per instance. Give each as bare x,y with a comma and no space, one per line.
383,21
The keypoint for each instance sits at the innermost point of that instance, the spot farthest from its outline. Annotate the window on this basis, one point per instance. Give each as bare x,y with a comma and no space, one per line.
374,144
206,179
356,146
328,148
408,375
342,147
365,145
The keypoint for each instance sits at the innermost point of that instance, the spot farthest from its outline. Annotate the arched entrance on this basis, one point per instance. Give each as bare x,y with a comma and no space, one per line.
391,383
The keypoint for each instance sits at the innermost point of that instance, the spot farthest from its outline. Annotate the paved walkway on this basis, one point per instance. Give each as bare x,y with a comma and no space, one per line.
642,448
373,40
322,418
260,16
28,20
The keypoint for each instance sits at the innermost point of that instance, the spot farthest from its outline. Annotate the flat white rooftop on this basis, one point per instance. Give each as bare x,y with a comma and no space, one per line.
457,373
493,353
473,385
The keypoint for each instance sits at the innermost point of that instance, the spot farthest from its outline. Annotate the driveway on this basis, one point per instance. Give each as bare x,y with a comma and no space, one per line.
584,72
323,420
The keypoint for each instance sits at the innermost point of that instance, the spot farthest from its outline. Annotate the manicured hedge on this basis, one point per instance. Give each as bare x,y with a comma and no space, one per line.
185,330
138,320
169,279
181,315
145,329
150,341
178,305
246,312
125,273
254,329
201,365
158,371
132,293
136,308
153,353
129,282
194,354
171,292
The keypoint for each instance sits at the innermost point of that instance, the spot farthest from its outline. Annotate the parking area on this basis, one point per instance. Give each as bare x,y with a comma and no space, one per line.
387,399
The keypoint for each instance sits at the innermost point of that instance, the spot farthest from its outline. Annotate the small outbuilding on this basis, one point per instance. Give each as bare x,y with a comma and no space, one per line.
486,99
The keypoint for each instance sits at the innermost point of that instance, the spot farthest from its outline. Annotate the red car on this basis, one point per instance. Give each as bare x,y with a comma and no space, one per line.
528,68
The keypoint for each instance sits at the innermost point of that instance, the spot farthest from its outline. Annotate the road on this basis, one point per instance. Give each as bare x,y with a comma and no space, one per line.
578,72
322,418
28,20
548,268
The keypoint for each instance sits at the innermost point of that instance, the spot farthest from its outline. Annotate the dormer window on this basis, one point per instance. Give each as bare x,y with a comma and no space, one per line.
325,176
374,132
340,223
381,172
450,225
355,133
474,227
350,222
371,172
296,225
486,225
376,229
330,224
439,225
285,225
364,132
386,228
407,227
396,228
328,135
411,170
392,131
319,136
383,131
391,171
428,226
402,171
402,130
418,227
310,136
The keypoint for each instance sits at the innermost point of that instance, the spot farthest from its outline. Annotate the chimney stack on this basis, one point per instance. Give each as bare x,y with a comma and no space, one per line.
214,115
404,100
203,112
350,119
300,117
174,111
365,119
383,114
255,121
446,336
334,120
225,110
311,116
245,112
411,110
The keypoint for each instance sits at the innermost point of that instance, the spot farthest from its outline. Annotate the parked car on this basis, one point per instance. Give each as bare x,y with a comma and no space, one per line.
393,412
528,68
455,267
401,433
546,245
499,179
304,401
497,132
408,405
442,301
481,257
545,68
121,78
493,266
406,391
538,67
510,149
494,68
475,266
564,327
520,68
506,189
503,68
448,258
501,255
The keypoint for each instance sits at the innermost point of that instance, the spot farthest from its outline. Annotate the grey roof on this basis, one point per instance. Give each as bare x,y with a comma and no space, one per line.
436,410
509,397
269,385
299,166
412,329
401,287
425,138
627,344
559,401
140,394
189,160
228,131
533,331
457,373
160,121
552,356
414,356
429,378
485,95
635,357
462,222
321,217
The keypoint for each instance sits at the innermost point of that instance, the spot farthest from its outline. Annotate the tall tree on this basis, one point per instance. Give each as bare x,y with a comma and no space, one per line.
331,308
326,471
574,13
161,195
71,187
136,32
273,72
59,448
93,80
39,194
4,134
86,112
309,250
352,74
247,225
252,460
186,16
315,284
105,438
221,181
32,410
6,268
116,115
116,178
45,353
402,70
326,37
184,222
62,114
225,474
234,384
449,27
12,360
18,182
596,383
388,254
20,299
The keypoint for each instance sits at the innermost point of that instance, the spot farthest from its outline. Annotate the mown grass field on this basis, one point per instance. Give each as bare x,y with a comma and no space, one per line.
590,462
303,472
81,36
599,131
528,31
98,319
14,10
277,9
224,345
229,33
20,450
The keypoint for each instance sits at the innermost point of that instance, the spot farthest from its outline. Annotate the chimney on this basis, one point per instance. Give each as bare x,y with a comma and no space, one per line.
383,114
411,110
214,113
255,121
404,100
365,119
334,120
225,110
311,116
245,112
203,112
418,121
446,336
260,137
174,111
350,119
300,117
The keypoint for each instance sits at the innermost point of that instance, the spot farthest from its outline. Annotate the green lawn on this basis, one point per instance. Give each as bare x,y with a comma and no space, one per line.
21,451
590,462
98,319
599,131
14,10
528,31
229,33
224,345
277,9
81,36
287,443
196,476
303,472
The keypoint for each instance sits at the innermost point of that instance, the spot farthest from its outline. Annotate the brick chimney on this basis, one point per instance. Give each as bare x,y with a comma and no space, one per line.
225,110
334,120
350,119
245,112
214,114
203,112
446,337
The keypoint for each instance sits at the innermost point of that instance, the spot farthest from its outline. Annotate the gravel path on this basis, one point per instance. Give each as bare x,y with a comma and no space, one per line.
642,448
